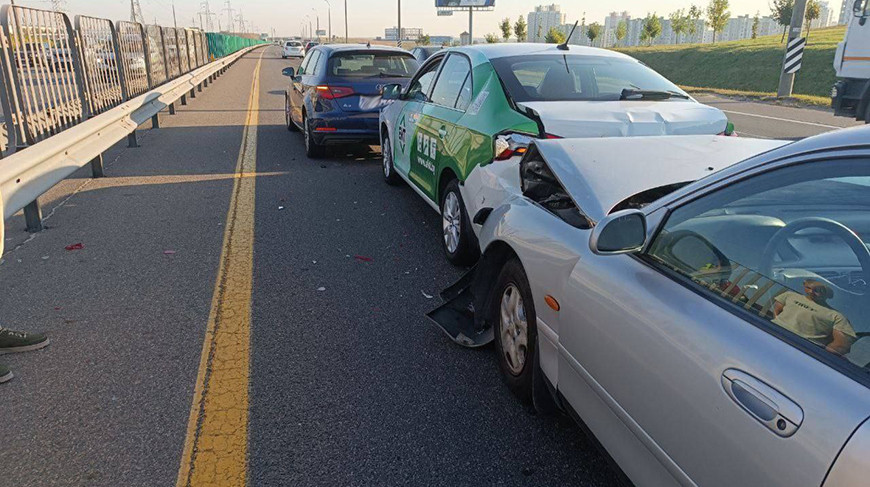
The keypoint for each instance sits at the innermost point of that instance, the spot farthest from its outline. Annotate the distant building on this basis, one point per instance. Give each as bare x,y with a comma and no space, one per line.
611,22
465,38
542,20
408,33
441,40
825,15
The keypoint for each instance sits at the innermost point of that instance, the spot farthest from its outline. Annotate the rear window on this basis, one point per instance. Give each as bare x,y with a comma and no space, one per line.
372,64
294,44
571,78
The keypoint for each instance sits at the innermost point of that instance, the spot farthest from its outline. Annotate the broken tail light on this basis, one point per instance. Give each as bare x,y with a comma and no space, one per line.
509,145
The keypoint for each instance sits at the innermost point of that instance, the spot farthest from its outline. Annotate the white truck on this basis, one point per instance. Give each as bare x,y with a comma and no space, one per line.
850,96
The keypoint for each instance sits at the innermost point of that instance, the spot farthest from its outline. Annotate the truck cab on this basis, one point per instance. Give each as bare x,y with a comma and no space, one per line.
850,96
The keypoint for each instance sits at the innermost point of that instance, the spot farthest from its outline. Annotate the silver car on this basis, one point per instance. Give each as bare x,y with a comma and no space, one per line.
711,333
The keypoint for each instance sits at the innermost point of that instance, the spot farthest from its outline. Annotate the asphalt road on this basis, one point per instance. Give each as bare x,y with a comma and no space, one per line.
347,384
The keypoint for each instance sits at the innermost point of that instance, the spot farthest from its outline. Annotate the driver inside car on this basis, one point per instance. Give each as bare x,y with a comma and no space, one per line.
810,316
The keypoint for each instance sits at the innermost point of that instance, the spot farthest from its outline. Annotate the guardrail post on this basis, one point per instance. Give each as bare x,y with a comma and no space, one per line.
33,217
132,140
97,167
199,87
183,100
172,108
193,92
155,122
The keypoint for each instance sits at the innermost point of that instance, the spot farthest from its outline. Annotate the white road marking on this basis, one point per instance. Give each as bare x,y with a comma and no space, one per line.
801,122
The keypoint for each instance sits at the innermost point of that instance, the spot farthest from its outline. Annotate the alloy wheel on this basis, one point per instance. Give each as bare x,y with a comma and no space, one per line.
451,221
513,329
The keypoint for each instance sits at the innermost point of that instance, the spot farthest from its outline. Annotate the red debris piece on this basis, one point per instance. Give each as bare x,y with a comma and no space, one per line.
75,246
168,252
363,258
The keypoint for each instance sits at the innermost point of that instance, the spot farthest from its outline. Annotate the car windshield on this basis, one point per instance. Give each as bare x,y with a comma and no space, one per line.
558,77
372,64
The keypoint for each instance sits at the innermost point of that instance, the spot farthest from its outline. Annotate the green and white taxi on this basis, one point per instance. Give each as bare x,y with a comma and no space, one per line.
476,105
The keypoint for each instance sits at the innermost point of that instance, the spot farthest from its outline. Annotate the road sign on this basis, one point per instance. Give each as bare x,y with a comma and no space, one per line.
320,32
445,13
794,55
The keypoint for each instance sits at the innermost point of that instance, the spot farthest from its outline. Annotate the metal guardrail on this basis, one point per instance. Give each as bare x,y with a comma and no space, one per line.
104,85
156,55
27,174
173,59
134,61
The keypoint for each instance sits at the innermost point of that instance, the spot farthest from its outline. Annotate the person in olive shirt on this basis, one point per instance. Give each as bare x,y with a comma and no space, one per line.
810,316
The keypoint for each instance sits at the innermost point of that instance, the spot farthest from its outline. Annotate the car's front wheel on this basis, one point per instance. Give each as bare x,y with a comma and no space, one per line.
312,148
390,176
512,314
457,238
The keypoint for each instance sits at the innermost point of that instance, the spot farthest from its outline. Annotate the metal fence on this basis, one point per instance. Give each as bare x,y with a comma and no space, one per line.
53,75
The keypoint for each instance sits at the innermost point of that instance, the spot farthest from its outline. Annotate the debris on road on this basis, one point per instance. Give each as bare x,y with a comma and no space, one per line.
321,288
168,252
75,246
363,258
280,208
425,295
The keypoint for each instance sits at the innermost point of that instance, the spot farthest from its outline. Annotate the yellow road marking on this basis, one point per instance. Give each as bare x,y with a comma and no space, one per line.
216,445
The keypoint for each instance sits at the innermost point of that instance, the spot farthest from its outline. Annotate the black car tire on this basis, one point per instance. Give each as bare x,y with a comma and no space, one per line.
389,171
288,119
312,148
867,113
520,376
465,250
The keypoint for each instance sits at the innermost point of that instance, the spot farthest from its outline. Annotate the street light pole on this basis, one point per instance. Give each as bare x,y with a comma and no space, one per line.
786,80
329,17
470,26
345,22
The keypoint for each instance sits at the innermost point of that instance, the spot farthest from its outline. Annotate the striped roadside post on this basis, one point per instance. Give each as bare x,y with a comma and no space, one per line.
786,78
794,55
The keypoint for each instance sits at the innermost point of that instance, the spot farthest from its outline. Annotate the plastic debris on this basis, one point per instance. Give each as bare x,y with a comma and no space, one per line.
425,295
75,246
363,258
280,208
168,252
321,288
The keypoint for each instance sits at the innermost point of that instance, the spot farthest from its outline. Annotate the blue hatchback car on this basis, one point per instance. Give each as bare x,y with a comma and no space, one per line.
336,93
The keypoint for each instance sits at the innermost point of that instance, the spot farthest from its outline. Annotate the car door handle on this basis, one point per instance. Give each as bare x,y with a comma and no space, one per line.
442,131
764,403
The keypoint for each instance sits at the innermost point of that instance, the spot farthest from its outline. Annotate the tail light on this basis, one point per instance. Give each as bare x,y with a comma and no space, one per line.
333,92
551,136
509,145
729,131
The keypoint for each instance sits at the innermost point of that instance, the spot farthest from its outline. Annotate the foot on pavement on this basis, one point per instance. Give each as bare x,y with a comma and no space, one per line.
5,374
18,341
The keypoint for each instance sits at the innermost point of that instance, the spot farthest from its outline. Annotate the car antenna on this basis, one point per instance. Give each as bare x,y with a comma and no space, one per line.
564,46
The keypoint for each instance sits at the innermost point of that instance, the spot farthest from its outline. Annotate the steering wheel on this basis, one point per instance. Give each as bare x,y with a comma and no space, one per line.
848,236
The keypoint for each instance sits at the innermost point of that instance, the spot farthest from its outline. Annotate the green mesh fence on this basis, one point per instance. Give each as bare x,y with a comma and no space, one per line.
220,45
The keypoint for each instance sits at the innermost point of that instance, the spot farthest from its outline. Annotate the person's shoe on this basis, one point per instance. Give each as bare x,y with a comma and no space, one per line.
18,341
5,374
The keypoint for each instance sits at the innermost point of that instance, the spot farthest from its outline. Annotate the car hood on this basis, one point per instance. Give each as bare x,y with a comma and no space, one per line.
601,173
628,118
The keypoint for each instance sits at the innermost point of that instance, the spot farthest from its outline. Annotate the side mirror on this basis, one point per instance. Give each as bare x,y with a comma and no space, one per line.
392,91
622,232
290,72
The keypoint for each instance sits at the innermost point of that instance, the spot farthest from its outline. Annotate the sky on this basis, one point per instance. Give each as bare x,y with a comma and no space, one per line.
368,18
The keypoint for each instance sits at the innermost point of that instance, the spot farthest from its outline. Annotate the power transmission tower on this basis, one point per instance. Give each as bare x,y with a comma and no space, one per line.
58,5
206,10
229,10
136,12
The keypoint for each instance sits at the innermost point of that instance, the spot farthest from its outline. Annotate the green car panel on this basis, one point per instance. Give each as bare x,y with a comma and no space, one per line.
436,143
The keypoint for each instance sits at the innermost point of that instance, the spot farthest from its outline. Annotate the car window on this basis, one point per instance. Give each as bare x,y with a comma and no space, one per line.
576,77
465,94
419,88
314,66
789,246
303,67
451,80
372,64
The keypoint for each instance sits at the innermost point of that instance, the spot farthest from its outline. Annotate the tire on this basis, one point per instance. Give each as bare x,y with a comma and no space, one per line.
512,315
389,171
291,127
312,149
457,238
867,114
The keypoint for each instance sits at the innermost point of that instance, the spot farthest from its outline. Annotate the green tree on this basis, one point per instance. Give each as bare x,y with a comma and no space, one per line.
814,11
424,40
520,29
755,23
621,31
652,28
717,16
781,11
506,28
554,36
593,32
679,23
491,38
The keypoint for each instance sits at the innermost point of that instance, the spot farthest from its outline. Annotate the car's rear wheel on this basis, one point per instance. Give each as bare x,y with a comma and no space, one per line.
288,119
457,238
390,175
312,148
512,314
